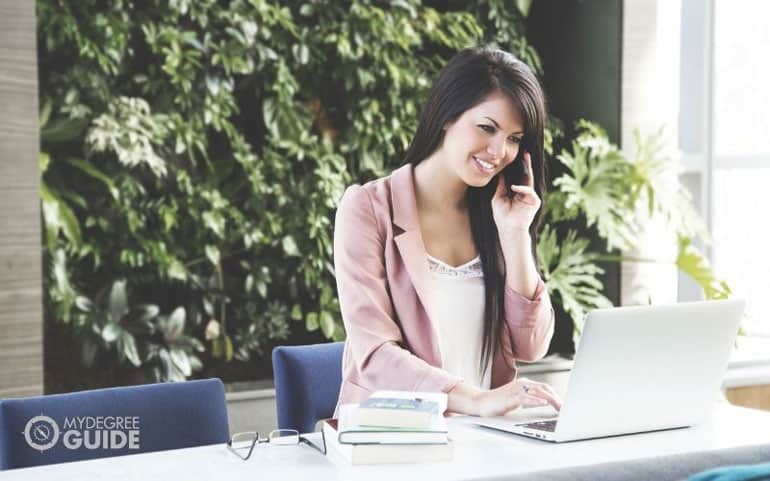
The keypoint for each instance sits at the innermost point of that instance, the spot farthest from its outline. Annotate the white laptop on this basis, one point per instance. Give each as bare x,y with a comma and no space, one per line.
638,369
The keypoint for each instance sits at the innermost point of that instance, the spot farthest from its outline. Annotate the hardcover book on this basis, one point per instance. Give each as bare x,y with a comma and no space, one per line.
350,432
358,454
401,409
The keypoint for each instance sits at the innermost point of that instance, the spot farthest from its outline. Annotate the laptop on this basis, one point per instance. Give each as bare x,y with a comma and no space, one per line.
639,369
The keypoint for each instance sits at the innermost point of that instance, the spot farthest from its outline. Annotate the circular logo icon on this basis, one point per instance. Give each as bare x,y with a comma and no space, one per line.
41,433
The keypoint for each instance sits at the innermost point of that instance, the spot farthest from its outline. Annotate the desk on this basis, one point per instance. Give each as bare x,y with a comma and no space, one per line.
732,435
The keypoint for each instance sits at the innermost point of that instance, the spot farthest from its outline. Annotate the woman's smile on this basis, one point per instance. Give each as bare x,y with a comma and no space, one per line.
484,166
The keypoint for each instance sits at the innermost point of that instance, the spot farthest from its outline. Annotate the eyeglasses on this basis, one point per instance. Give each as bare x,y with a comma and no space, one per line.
278,437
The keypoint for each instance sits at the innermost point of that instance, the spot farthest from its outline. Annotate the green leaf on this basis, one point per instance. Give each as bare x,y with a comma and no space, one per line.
228,348
127,346
222,348
63,130
167,365
217,348
208,306
311,321
45,112
212,254
290,246
111,332
523,6
268,114
181,361
175,325
339,333
215,222
327,324
177,270
306,10
693,263
58,217
84,304
145,312
262,289
61,289
44,161
118,301
301,53
90,170
195,363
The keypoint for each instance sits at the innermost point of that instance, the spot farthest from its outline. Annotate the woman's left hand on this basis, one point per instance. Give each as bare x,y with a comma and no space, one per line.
518,212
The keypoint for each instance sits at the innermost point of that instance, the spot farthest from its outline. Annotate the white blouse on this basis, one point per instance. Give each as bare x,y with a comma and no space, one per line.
458,296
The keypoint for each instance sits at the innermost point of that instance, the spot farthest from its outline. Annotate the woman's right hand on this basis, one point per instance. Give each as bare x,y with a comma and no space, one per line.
466,399
515,394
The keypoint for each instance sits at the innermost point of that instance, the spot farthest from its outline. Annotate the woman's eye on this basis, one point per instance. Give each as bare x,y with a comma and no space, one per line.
514,140
487,128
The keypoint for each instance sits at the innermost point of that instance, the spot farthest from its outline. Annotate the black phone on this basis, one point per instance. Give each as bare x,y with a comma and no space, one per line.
516,172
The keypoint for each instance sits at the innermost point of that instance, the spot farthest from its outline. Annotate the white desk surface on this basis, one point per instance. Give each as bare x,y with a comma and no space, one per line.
479,454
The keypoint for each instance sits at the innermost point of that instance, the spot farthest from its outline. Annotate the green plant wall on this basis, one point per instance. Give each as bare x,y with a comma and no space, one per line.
193,153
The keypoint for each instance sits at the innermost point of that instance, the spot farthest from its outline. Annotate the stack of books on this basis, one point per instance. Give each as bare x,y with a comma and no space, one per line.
391,427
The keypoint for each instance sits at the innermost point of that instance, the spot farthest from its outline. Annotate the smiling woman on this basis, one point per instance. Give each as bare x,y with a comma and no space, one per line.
476,130
469,196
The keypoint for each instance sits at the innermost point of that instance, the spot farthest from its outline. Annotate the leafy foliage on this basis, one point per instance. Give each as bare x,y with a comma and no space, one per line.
571,273
117,323
193,154
605,191
596,186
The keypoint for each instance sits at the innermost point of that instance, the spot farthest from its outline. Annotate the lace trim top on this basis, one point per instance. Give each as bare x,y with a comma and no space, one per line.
468,270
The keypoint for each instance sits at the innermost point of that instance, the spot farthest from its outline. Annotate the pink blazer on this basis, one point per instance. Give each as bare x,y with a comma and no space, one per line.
384,287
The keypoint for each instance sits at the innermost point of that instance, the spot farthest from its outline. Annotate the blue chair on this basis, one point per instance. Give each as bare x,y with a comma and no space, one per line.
307,384
138,419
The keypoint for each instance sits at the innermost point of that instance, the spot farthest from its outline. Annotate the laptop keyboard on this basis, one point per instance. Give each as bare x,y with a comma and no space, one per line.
549,426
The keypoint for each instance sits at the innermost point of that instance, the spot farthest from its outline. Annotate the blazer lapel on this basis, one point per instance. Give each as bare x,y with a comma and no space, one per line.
410,244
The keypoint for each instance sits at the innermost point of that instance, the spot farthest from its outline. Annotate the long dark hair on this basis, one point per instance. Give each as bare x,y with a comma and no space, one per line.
467,79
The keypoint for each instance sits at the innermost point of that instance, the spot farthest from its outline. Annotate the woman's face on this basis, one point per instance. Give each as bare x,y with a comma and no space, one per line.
483,140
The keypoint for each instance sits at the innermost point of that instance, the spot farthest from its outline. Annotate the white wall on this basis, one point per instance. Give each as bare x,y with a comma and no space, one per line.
650,83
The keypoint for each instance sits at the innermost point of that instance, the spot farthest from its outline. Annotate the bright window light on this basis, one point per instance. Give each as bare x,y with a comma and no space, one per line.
741,182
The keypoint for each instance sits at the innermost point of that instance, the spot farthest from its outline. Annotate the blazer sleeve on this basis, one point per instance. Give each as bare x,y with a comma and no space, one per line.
530,322
374,337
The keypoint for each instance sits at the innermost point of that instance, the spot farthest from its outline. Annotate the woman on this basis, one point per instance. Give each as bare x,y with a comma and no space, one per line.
435,264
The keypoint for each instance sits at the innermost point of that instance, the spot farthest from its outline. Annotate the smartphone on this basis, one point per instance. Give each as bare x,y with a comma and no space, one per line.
516,173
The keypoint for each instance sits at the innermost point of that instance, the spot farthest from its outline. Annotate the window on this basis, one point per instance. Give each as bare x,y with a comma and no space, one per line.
724,133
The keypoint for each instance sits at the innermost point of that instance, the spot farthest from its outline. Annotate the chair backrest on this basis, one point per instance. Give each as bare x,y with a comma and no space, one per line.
111,422
307,384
